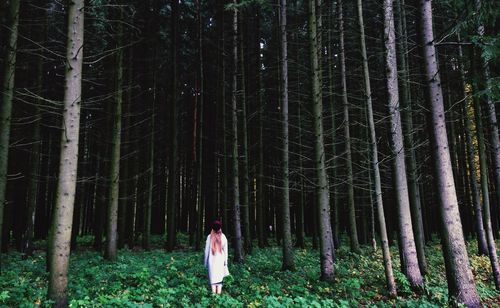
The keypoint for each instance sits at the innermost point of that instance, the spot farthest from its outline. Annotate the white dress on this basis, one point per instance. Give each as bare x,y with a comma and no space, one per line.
216,263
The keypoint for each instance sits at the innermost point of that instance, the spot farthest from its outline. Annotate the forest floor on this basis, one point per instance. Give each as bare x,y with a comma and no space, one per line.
159,279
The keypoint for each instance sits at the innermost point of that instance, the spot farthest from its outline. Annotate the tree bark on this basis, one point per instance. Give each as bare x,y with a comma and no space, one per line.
461,283
353,232
238,245
322,194
492,117
63,214
6,105
482,248
407,243
408,130
172,163
288,262
391,284
244,199
110,252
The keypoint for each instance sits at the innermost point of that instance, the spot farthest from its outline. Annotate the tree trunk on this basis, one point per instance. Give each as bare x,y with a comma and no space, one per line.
408,250
288,262
244,204
408,130
63,215
492,253
391,285
482,248
461,285
238,245
6,105
146,233
35,166
114,170
353,232
492,116
322,194
172,163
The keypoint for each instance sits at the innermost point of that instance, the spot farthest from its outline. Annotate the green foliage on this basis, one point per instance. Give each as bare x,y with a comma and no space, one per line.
159,279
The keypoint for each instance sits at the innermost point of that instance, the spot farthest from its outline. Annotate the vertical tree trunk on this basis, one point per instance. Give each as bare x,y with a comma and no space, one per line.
6,104
146,233
333,166
322,194
199,174
391,285
63,215
114,170
492,252
247,238
238,245
492,115
414,193
408,250
35,165
172,163
353,232
261,233
476,199
288,262
461,285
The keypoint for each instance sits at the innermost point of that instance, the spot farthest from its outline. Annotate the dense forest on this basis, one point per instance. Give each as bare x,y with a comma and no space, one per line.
350,149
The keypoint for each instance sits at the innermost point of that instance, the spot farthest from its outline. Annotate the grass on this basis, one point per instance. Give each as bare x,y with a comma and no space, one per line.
158,279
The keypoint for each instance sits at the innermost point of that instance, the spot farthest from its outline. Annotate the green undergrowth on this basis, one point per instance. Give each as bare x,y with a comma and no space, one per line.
159,279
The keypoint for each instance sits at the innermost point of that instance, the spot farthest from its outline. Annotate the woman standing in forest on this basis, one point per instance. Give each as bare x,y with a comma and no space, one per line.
216,257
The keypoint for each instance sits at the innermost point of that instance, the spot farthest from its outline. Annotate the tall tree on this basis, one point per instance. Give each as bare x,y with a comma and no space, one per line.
245,183
476,199
409,258
66,186
408,130
288,262
238,247
322,194
460,280
353,232
492,252
6,104
173,153
391,284
491,111
116,135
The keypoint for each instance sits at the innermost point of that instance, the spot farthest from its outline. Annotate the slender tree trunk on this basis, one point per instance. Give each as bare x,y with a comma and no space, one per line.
114,172
476,199
408,250
492,252
322,194
199,180
6,105
334,195
391,285
63,215
461,283
492,116
146,233
35,165
353,232
172,163
247,238
238,245
261,233
288,262
413,191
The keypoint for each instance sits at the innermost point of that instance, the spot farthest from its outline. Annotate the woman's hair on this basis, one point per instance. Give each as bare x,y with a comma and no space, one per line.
215,237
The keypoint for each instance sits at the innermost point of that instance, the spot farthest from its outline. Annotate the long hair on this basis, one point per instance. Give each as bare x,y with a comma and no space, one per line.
216,241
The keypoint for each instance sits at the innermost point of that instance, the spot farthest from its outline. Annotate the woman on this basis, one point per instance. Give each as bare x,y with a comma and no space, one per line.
216,257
